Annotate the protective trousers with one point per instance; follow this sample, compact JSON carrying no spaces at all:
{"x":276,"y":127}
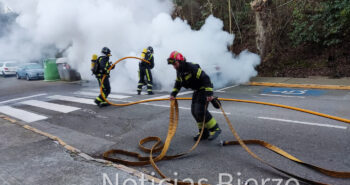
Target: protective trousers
{"x":106,"y":88}
{"x":145,"y":73}
{"x":199,"y":100}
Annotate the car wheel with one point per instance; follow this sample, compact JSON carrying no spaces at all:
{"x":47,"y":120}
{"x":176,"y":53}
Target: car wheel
{"x":17,"y":76}
{"x":27,"y":77}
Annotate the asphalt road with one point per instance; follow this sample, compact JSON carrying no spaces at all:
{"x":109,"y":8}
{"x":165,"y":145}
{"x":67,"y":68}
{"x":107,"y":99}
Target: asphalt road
{"x":315,"y":140}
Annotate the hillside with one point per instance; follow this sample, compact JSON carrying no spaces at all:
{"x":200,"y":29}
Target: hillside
{"x":295,"y":38}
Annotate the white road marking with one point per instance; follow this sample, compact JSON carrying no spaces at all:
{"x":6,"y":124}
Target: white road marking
{"x":121,"y":92}
{"x":50,"y":106}
{"x":17,"y":99}
{"x":73,"y":99}
{"x":222,"y":90}
{"x":113,"y":96}
{"x":304,"y":123}
{"x":168,"y":106}
{"x":284,"y":96}
{"x":90,"y":101}
{"x":135,"y":93}
{"x":167,"y":96}
{"x":184,"y":108}
{"x":21,"y":114}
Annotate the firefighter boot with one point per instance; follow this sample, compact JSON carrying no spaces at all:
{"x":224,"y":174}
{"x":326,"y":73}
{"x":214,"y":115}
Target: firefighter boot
{"x":150,"y":93}
{"x":204,"y":136}
{"x":138,"y":92}
{"x":103,"y":104}
{"x":214,"y":132}
{"x":97,"y":102}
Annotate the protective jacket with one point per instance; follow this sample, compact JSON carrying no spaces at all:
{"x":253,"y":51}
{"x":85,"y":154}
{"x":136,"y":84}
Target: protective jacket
{"x":190,"y":75}
{"x":149,"y":57}
{"x":103,"y":66}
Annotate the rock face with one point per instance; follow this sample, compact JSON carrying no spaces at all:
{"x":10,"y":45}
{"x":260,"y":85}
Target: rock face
{"x":263,"y":17}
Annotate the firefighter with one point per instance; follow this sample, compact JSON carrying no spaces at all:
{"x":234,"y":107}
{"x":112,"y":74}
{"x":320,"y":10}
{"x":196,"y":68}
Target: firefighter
{"x":145,"y":71}
{"x":102,"y":65}
{"x":190,"y":75}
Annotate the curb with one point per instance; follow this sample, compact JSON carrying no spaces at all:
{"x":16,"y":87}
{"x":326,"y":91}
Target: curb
{"x":87,"y":157}
{"x":312,"y":86}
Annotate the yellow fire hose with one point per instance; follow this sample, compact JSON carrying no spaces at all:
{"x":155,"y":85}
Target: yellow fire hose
{"x":173,"y":122}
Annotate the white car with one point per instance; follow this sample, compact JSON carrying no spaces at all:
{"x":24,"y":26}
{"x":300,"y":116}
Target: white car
{"x":8,"y":68}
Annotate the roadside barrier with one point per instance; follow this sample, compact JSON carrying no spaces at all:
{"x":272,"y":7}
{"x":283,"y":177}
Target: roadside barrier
{"x":173,"y":123}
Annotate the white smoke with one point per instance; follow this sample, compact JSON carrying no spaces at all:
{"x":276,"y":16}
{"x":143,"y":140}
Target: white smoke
{"x":126,"y":27}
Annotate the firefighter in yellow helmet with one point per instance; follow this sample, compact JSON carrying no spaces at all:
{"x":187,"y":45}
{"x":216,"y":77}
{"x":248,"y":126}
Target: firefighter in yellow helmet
{"x":190,"y":75}
{"x":145,"y":74}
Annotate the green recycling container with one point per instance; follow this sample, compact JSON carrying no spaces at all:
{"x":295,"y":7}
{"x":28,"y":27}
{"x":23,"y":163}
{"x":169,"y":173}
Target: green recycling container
{"x":50,"y":70}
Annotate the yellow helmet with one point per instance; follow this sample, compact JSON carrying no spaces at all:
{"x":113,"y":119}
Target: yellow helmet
{"x":143,"y":54}
{"x":94,"y":57}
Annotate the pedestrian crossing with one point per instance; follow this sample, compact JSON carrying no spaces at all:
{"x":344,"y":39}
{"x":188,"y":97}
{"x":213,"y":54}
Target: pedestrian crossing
{"x":73,"y":99}
{"x":23,"y":115}
{"x":84,"y":97}
{"x":94,"y":94}
{"x":30,"y":116}
{"x":51,"y":106}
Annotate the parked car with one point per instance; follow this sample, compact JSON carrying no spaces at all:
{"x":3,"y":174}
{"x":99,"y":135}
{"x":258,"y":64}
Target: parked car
{"x":30,"y":71}
{"x":8,"y":68}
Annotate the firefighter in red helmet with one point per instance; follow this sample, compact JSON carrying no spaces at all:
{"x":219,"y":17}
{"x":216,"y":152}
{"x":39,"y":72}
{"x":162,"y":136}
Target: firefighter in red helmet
{"x":191,"y":76}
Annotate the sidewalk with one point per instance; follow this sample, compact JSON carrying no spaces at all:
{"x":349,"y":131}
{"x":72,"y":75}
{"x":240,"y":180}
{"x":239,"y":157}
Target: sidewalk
{"x":311,"y":82}
{"x":31,"y":158}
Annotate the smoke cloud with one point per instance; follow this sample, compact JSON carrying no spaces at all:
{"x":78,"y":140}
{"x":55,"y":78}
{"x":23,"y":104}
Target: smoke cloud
{"x":82,"y":28}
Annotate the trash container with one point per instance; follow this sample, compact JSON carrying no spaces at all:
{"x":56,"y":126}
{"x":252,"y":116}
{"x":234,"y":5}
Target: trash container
{"x":50,"y":70}
{"x":66,"y":72}
{"x":61,"y":66}
{"x":74,"y":75}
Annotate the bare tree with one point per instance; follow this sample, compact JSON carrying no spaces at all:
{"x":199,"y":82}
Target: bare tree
{"x":264,"y":29}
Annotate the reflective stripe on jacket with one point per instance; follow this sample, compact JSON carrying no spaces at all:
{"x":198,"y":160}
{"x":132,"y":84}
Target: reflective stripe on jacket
{"x":193,"y":77}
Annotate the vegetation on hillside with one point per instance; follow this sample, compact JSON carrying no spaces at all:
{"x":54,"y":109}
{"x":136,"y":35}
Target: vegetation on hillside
{"x":302,"y":37}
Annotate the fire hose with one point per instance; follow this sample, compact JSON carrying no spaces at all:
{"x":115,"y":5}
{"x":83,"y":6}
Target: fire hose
{"x":173,"y":123}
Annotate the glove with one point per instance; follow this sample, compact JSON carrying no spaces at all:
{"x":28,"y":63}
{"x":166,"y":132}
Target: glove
{"x":216,"y":103}
{"x":110,"y":63}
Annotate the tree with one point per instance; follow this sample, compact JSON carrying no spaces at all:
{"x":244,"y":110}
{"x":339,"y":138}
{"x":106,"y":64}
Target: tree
{"x":264,"y":25}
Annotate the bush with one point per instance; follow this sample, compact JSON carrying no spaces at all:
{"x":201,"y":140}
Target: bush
{"x":325,"y":23}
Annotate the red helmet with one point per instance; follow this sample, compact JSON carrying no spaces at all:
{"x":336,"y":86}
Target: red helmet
{"x":175,"y":56}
